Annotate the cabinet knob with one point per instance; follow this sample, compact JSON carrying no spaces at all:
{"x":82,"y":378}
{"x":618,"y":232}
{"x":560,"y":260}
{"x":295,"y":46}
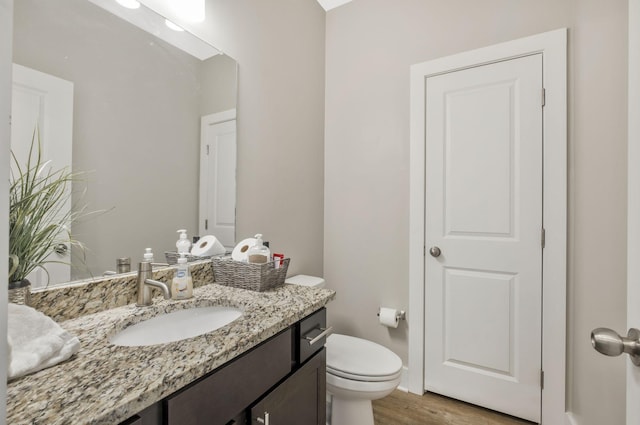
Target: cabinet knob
{"x":264,"y":421}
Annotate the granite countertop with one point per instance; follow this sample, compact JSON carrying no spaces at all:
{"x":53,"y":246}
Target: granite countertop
{"x":106,"y":384}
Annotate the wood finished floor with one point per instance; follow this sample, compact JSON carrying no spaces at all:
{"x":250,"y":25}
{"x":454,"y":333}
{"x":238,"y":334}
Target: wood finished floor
{"x":402,"y":408}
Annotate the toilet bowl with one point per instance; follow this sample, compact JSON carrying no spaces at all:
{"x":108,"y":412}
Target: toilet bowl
{"x":358,"y":372}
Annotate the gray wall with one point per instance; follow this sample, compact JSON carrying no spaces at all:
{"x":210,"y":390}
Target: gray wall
{"x":218,"y":75}
{"x":370,"y":45}
{"x":279,"y":46}
{"x":6,"y":29}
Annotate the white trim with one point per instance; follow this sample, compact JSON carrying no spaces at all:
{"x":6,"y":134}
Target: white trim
{"x":553,"y":46}
{"x":6,"y":39}
{"x":569,"y":419}
{"x":633,"y":204}
{"x":218,"y":117}
{"x":404,"y":385}
{"x":327,"y":5}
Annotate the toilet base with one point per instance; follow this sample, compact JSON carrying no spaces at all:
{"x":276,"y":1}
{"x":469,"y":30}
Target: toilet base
{"x":351,"y":412}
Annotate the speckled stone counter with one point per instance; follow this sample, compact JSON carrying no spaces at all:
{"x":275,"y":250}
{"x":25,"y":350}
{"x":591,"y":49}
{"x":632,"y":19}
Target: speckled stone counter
{"x":106,"y":384}
{"x":89,"y":296}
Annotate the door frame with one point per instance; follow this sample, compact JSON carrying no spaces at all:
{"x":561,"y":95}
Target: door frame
{"x":633,"y":205}
{"x":553,"y":46}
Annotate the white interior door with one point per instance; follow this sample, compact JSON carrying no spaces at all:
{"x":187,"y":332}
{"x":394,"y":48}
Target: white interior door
{"x":218,"y":177}
{"x":46,"y":102}
{"x":483,"y":222}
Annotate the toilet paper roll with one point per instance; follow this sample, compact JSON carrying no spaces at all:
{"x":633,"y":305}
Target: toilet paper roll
{"x":239,"y":253}
{"x":207,"y":246}
{"x":389,"y":317}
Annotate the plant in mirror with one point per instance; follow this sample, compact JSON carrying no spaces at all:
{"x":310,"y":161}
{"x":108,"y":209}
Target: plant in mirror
{"x":141,"y":113}
{"x":40,"y":218}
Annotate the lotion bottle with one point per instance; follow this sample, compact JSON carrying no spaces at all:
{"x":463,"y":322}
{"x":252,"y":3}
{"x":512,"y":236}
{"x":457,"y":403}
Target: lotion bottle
{"x":182,"y":284}
{"x":183,"y":245}
{"x":258,"y":253}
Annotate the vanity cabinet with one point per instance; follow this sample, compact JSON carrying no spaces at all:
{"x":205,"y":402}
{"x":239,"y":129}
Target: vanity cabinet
{"x":298,"y":400}
{"x":283,"y":377}
{"x":219,"y":397}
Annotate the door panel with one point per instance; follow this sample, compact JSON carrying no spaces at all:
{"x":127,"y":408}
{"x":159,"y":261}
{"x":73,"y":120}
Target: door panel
{"x":485,"y":343}
{"x":479,"y":175}
{"x":484,"y":212}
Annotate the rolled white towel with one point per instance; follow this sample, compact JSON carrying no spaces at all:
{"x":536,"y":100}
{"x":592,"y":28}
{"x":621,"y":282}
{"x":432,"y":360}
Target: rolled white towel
{"x":35,"y":341}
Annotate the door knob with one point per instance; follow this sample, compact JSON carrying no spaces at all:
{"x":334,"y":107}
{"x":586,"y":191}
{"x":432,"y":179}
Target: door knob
{"x":61,"y":249}
{"x":435,"y":251}
{"x":609,"y":343}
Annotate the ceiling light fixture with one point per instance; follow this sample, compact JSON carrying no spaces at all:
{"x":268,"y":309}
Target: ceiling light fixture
{"x":191,"y":10}
{"x":129,"y":4}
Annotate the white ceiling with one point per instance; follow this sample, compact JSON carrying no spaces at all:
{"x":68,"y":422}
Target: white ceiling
{"x":330,"y":4}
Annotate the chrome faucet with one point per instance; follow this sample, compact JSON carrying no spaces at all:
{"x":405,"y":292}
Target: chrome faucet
{"x":145,"y":283}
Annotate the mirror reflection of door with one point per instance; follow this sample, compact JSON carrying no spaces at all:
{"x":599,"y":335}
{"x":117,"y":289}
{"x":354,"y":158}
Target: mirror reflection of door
{"x":43,"y":103}
{"x":218,"y":177}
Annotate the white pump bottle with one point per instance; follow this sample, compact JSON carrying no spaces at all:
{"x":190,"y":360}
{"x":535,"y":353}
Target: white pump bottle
{"x":183,"y":245}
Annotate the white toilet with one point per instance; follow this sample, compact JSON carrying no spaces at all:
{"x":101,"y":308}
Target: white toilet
{"x":358,"y":371}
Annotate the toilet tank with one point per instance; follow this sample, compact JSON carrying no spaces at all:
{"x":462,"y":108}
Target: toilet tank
{"x":305,"y":280}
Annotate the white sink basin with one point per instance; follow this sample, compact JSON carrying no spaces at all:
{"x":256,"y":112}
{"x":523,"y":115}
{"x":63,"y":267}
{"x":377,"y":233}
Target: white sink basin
{"x":176,"y":326}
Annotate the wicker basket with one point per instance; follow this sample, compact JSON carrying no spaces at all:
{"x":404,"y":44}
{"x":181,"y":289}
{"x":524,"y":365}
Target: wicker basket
{"x":172,"y":257}
{"x":255,"y":277}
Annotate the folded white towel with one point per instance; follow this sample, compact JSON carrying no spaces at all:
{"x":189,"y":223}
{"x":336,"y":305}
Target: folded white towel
{"x":35,"y":341}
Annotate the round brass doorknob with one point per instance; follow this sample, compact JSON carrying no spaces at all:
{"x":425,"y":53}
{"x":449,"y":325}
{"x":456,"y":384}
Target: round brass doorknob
{"x":435,"y":251}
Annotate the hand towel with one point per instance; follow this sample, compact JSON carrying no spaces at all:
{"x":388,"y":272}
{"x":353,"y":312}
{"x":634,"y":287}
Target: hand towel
{"x":35,"y":341}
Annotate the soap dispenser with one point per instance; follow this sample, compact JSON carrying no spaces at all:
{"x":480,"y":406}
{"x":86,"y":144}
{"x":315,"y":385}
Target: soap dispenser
{"x":258,"y":253}
{"x":182,"y":284}
{"x":183,"y":245}
{"x":148,"y":255}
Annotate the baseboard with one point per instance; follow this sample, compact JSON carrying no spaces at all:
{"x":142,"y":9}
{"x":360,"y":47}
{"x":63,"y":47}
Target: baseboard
{"x":404,"y":380}
{"x":569,"y":419}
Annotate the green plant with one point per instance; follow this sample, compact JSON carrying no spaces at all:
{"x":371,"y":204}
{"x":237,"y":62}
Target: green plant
{"x":39,"y":218}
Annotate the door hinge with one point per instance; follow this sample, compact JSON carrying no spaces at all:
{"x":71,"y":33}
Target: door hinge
{"x":206,"y":224}
{"x":542,"y":379}
{"x":207,"y":149}
{"x":544,"y":97}
{"x":543,"y":237}
{"x":424,"y":250}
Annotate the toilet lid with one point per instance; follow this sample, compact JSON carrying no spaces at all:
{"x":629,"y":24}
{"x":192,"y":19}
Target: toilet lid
{"x":356,"y":358}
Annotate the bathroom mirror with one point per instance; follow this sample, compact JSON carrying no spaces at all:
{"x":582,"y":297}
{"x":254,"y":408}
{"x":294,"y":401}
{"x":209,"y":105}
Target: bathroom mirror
{"x":138,"y":104}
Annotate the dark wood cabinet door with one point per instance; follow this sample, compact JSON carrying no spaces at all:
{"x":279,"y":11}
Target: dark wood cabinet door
{"x":300,"y":399}
{"x":220,"y":396}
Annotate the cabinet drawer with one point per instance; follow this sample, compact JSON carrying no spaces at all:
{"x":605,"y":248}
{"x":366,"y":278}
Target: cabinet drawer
{"x":219,"y":397}
{"x":310,"y":327}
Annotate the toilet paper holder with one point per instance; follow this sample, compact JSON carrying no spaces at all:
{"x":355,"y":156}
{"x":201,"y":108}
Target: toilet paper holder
{"x":400,"y":315}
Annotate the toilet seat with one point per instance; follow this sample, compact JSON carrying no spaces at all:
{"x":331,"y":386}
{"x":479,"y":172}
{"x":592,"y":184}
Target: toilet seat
{"x":358,"y":359}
